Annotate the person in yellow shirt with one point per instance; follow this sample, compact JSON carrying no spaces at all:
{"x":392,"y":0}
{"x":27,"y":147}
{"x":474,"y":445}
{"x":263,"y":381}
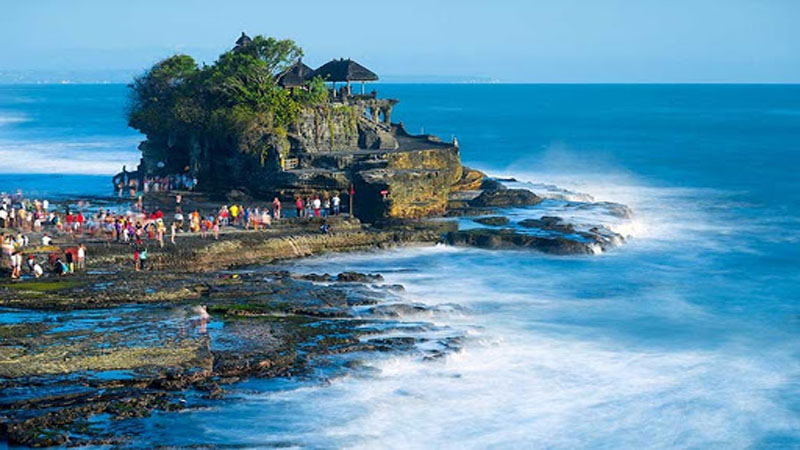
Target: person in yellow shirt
{"x":235,"y":214}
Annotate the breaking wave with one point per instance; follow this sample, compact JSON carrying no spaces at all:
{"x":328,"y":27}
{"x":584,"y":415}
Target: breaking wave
{"x":12,"y":118}
{"x":90,"y":157}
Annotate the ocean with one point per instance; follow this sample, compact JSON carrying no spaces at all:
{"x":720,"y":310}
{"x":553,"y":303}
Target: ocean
{"x":686,"y":336}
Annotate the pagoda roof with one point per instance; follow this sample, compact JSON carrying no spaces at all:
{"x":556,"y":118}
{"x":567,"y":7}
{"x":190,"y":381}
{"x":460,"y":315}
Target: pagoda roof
{"x":296,"y":75}
{"x":344,"y":70}
{"x":243,"y":40}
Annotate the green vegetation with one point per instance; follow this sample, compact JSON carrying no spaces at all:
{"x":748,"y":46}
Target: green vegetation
{"x":233,"y":103}
{"x":43,"y":286}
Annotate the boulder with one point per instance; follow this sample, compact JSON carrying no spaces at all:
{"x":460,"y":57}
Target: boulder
{"x":491,"y":184}
{"x":494,"y":221}
{"x":355,"y":277}
{"x":508,"y":239}
{"x":549,"y":223}
{"x":506,"y":198}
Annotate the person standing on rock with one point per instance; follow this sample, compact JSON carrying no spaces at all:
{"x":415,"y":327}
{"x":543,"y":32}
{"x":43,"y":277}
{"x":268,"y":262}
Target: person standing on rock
{"x":336,"y":203}
{"x":70,"y":257}
{"x":178,"y":221}
{"x":201,"y":313}
{"x":276,"y":208}
{"x":160,"y":229}
{"x":172,"y":230}
{"x":234,"y":214}
{"x":143,"y":259}
{"x":16,"y":265}
{"x":317,"y":205}
{"x":215,"y":229}
{"x":82,"y":256}
{"x":298,"y":204}
{"x":195,"y":221}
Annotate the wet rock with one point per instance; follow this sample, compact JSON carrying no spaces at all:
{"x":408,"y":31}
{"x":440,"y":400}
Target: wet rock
{"x":228,"y":380}
{"x":390,"y":287}
{"x":212,"y":389}
{"x":466,"y":211}
{"x":492,"y":184}
{"x":618,"y":210}
{"x":549,"y":223}
{"x":509,"y":239}
{"x":316,"y":277}
{"x":393,"y":343}
{"x":604,"y":236}
{"x":506,"y":198}
{"x":494,"y":221}
{"x":396,"y":310}
{"x":355,"y":277}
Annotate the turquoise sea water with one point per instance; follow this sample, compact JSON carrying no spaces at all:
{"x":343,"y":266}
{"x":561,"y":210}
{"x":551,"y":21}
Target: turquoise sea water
{"x":687,"y":336}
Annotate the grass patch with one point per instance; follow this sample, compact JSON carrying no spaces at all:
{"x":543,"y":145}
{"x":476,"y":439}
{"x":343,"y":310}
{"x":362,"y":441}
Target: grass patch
{"x":43,"y":286}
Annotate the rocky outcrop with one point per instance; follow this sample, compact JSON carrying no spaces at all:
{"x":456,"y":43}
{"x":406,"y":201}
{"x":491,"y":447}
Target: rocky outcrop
{"x":509,"y":239}
{"x":493,"y":221}
{"x":505,"y":198}
{"x":330,"y":148}
{"x":471,"y":180}
{"x":506,"y":239}
{"x":549,"y":223}
{"x":561,"y":239}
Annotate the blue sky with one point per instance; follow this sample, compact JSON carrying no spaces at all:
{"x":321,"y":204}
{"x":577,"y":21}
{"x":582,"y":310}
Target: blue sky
{"x":504,"y":40}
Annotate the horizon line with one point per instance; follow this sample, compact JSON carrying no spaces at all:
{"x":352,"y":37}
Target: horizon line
{"x":563,"y":83}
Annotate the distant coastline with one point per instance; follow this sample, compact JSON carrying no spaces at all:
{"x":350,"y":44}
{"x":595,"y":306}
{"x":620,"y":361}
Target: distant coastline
{"x":123,"y":76}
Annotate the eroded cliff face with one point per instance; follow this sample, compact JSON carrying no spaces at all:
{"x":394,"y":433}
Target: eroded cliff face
{"x":413,"y":184}
{"x":329,"y":149}
{"x":325,"y":129}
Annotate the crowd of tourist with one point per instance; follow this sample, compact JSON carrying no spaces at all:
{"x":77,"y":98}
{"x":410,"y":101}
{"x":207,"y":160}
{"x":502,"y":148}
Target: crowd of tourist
{"x":318,"y":207}
{"x":21,"y":218}
{"x":156,"y":184}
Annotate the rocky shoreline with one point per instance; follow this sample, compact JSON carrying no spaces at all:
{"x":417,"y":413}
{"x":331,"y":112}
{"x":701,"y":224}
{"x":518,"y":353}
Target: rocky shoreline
{"x":83,"y":353}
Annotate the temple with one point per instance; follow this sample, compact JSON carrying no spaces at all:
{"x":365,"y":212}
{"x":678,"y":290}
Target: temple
{"x":349,"y":143}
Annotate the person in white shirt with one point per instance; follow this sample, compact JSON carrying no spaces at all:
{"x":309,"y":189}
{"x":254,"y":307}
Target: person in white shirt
{"x":37,"y":270}
{"x":46,"y":240}
{"x":335,"y":202}
{"x":317,"y":204}
{"x":82,"y":256}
